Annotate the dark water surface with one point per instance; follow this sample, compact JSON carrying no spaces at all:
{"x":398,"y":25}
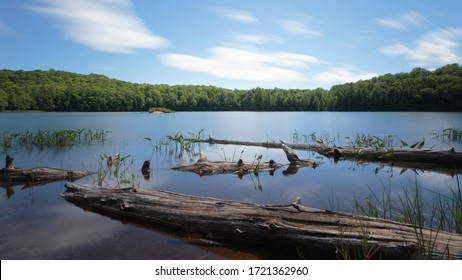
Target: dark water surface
{"x":36,"y":223}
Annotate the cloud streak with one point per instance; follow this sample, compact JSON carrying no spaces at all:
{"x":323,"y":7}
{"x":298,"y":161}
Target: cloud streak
{"x":241,"y":16}
{"x":299,"y":28}
{"x":104,"y":25}
{"x":403,"y":21}
{"x":342,"y":75}
{"x":434,"y":48}
{"x":240,"y":64}
{"x":255,"y":38}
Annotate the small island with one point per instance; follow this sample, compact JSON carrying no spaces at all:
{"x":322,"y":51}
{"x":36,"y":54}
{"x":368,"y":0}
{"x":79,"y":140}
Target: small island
{"x":160,"y":110}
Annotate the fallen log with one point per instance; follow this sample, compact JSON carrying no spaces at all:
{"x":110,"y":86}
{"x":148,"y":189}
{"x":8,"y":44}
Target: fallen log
{"x":10,"y":173}
{"x":447,"y":161}
{"x":294,"y":228}
{"x":205,"y":167}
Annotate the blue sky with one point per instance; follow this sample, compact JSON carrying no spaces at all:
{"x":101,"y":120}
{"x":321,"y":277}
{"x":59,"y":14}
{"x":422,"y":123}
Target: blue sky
{"x":233,"y":44}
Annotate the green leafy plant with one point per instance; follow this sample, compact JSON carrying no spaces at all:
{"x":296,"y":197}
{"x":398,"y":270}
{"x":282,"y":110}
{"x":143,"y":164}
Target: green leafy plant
{"x":116,"y":171}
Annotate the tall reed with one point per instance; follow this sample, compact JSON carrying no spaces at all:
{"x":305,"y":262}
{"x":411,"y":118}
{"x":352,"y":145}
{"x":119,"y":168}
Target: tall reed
{"x":52,"y":138}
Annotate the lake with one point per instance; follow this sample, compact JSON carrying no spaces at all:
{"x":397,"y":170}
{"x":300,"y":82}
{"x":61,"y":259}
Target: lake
{"x":38,"y":224}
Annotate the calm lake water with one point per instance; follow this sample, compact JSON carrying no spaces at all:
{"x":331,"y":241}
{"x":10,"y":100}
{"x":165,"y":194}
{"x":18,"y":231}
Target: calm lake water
{"x":36,"y":223}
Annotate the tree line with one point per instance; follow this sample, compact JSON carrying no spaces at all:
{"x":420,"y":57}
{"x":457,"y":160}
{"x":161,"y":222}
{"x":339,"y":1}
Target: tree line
{"x":418,"y":90}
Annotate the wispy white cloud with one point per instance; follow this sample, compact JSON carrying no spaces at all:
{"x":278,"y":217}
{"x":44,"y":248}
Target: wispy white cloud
{"x":105,"y":25}
{"x":299,"y":28}
{"x":255,"y":38}
{"x":237,"y":15}
{"x":403,"y":21}
{"x":240,"y":64}
{"x":342,"y":75}
{"x":434,"y":48}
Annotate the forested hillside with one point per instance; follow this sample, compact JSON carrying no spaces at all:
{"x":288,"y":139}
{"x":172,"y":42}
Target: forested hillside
{"x":419,"y":90}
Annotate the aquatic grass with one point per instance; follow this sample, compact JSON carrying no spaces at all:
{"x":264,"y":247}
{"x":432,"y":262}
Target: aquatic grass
{"x":443,"y":213}
{"x":116,"y":171}
{"x":177,"y":145}
{"x":357,"y":140}
{"x":450,"y":134}
{"x":52,"y":138}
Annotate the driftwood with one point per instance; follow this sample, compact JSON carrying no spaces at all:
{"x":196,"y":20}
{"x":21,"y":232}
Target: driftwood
{"x":446,"y":161}
{"x":205,"y":167}
{"x":293,"y":227}
{"x":10,"y":173}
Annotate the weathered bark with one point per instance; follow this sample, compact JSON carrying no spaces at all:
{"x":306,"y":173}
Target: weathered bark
{"x":15,"y":174}
{"x":444,"y":161}
{"x":293,"y":227}
{"x":294,"y":159}
{"x":205,"y":167}
{"x":295,"y":162}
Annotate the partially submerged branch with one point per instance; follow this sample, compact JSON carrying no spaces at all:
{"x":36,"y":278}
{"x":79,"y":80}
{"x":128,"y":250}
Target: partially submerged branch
{"x":446,"y":161}
{"x":205,"y":167}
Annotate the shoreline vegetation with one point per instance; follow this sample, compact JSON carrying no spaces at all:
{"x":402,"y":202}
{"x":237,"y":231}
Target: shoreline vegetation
{"x":52,"y":90}
{"x":160,"y":110}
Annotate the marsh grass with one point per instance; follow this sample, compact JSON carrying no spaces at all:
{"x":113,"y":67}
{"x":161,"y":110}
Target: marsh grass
{"x":360,"y":140}
{"x":52,"y":138}
{"x":116,"y":171}
{"x":178,"y":145}
{"x":443,"y":213}
{"x":450,"y":134}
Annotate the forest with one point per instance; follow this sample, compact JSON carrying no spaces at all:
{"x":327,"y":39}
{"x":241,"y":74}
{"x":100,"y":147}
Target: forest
{"x":53,"y":90}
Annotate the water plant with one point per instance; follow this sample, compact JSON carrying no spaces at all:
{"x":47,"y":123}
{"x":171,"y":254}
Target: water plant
{"x":257,"y":159}
{"x":450,"y":134}
{"x":116,"y":171}
{"x":443,"y":213}
{"x":178,"y":145}
{"x":52,"y":138}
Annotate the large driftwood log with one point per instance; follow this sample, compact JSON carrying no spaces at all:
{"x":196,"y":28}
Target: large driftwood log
{"x":295,"y":228}
{"x":205,"y":167}
{"x":444,"y":161}
{"x":10,"y":173}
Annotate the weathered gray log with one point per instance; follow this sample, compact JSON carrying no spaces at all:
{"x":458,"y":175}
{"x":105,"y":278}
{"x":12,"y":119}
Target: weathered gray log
{"x":206,"y":167}
{"x":446,"y":161}
{"x":293,"y":227}
{"x":16,"y":174}
{"x":294,"y":159}
{"x":40,"y":174}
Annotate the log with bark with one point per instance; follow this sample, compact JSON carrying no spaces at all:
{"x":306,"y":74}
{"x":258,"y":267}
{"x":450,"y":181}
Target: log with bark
{"x":295,"y":161}
{"x":205,"y":167}
{"x":10,"y":173}
{"x":447,"y":161}
{"x":295,"y":228}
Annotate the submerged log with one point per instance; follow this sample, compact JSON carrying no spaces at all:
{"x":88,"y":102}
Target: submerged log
{"x":16,"y":174}
{"x":205,"y":167}
{"x":293,"y":227}
{"x":447,"y":161}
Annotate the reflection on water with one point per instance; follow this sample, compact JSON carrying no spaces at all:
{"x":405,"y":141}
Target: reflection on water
{"x":38,"y":224}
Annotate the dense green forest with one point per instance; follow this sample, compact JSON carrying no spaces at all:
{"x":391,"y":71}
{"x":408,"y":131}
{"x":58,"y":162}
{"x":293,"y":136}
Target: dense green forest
{"x":418,"y":90}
